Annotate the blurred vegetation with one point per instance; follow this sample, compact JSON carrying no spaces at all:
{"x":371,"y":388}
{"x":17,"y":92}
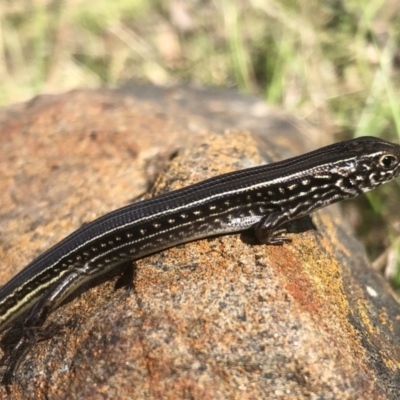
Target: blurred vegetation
{"x":334,"y":63}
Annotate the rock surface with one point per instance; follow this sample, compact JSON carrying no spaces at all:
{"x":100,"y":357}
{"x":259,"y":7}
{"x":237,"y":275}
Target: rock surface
{"x":214,"y":319}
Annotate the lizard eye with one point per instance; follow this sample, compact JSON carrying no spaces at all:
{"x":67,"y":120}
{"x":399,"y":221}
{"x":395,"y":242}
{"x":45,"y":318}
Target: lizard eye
{"x":387,"y":161}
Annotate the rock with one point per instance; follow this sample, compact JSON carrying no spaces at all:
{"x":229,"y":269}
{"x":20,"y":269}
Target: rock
{"x":217,"y":318}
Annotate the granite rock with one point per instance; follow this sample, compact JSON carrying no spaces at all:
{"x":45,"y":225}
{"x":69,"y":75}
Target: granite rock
{"x":218,"y":318}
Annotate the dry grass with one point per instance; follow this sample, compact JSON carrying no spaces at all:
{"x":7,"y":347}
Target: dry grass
{"x":331,"y":62}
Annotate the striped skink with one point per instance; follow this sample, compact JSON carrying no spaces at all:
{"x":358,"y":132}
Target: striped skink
{"x":262,"y":198}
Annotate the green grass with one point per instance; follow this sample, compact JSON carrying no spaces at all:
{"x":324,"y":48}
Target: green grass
{"x":333,"y":63}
